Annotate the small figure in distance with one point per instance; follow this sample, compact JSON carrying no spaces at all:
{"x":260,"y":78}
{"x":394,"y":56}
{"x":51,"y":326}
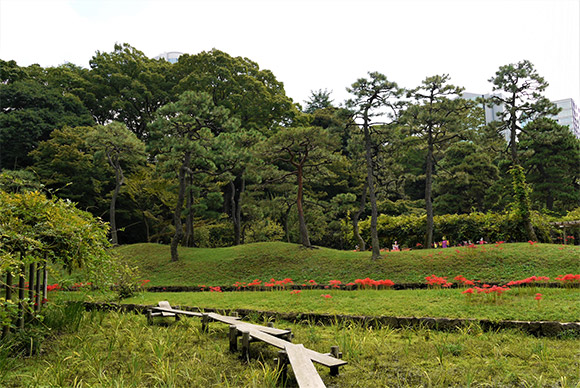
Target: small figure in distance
{"x":395,"y":246}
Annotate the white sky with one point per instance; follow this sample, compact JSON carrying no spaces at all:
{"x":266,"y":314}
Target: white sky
{"x":314,"y":44}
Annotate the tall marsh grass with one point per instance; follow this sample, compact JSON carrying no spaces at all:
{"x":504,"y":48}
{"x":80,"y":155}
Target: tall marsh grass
{"x":121,"y":350}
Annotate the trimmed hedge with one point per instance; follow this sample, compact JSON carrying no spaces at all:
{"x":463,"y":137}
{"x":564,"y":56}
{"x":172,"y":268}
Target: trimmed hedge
{"x":409,"y":230}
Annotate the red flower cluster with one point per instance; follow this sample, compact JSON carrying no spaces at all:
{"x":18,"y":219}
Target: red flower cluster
{"x":143,"y":282}
{"x":52,"y":287}
{"x":255,"y":283}
{"x":240,"y":285}
{"x":295,"y":292}
{"x":326,"y":296}
{"x":368,"y":283}
{"x":436,"y":281}
{"x":568,"y":279}
{"x":531,"y":279}
{"x":487,"y":289}
{"x":279,"y":284}
{"x":466,"y":282}
{"x":215,"y":289}
{"x":335,"y":283}
{"x":532,"y":242}
{"x":79,"y":285}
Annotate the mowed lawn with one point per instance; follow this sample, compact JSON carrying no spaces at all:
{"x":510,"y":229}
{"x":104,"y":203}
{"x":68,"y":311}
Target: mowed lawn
{"x":517,"y":304}
{"x":225,"y":266}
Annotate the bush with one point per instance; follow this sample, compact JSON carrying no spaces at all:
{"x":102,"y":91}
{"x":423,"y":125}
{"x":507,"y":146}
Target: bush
{"x":409,"y":230}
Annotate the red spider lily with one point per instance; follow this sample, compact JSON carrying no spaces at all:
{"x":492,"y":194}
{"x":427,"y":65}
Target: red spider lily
{"x":215,"y":289}
{"x":326,"y":296}
{"x":240,"y":285}
{"x":538,"y":296}
{"x":255,"y":283}
{"x":436,"y":281}
{"x":312,"y":282}
{"x":468,"y":291}
{"x":568,"y":279}
{"x":531,"y":279}
{"x":335,"y":283}
{"x":295,"y":292}
{"x":143,"y":282}
{"x":53,"y":287}
{"x":532,"y":242}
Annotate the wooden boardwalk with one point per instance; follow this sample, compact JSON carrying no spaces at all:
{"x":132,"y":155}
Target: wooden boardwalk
{"x":300,"y":358}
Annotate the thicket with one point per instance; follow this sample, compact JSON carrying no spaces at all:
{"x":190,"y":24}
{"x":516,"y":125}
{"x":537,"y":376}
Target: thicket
{"x":458,"y":229}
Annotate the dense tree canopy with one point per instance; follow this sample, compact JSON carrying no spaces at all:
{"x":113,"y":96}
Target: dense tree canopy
{"x":194,"y":153}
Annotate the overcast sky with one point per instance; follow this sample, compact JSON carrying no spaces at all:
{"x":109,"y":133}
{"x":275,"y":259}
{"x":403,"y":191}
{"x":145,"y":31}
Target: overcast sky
{"x":314,"y":44}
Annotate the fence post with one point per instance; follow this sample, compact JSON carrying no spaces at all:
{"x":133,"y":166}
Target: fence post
{"x":21,"y":281}
{"x":282,"y":365}
{"x":246,"y":346}
{"x":233,"y":338}
{"x":335,"y":352}
{"x":38,"y":301}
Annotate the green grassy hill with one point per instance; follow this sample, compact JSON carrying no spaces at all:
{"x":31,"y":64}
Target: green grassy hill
{"x":244,"y":263}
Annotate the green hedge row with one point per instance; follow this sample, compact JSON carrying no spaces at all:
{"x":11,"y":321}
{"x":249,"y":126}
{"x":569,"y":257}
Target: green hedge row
{"x":409,"y":230}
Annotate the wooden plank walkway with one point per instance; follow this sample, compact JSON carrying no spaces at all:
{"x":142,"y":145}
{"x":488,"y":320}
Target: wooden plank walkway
{"x":306,"y":374}
{"x":301,"y":359}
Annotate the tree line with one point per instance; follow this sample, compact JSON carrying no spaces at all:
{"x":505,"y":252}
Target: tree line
{"x":210,"y":151}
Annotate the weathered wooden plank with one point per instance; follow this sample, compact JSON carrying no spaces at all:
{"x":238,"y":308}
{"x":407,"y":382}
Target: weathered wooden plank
{"x":236,"y":321}
{"x":323,"y":359}
{"x":265,"y":337}
{"x":165,"y":304}
{"x":306,"y":374}
{"x":183,"y":312}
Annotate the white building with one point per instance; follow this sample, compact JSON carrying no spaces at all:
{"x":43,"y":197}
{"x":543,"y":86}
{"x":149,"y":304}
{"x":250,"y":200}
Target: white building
{"x":569,"y":115}
{"x":490,"y":112}
{"x":170,"y":56}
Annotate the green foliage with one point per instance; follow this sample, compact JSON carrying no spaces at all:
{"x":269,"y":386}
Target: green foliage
{"x":523,"y":100}
{"x":16,"y":181}
{"x":66,"y":166}
{"x":213,"y":234}
{"x":264,"y":231}
{"x":8,"y":312}
{"x":252,"y":95}
{"x":31,"y":109}
{"x":124,"y":85}
{"x":550,"y":154}
{"x":34,"y":228}
{"x":408,"y":230}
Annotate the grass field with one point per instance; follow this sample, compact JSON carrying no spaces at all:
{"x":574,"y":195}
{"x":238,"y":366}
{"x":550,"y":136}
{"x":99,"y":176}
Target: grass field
{"x":109,"y":349}
{"x":244,"y":263}
{"x":556,"y":304}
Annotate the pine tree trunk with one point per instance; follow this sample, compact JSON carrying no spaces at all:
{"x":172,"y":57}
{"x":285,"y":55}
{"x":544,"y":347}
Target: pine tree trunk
{"x":376,"y":252}
{"x":356,"y":216}
{"x":119,"y":180}
{"x":428,"y":199}
{"x":188,"y":240}
{"x":179,"y":207}
{"x":304,"y":240}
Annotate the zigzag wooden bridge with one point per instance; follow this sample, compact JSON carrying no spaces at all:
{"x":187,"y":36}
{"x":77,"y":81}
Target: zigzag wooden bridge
{"x":300,"y":358}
